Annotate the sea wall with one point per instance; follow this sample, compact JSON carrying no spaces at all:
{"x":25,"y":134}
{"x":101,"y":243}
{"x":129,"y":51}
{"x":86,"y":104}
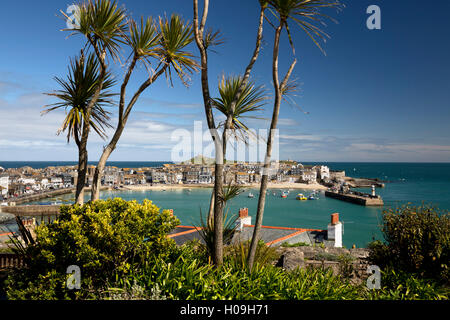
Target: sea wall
{"x":355,"y":199}
{"x":32,"y":210}
{"x":39,"y":196}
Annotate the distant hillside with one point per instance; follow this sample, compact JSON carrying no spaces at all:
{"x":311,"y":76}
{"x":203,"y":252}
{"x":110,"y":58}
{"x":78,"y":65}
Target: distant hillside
{"x":200,"y":159}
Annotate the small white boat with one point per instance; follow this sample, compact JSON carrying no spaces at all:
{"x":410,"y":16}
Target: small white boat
{"x":250,"y":195}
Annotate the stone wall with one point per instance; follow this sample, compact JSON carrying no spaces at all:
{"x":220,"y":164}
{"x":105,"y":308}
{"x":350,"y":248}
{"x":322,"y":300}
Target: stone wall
{"x":349,"y":263}
{"x":32,"y":210}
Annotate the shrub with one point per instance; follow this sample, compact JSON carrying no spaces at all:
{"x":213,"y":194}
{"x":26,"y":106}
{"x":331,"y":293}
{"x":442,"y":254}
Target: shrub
{"x":293,"y":245}
{"x":417,"y":241}
{"x":104,"y":238}
{"x":399,"y":285}
{"x":187,"y":278}
{"x":236,"y":254}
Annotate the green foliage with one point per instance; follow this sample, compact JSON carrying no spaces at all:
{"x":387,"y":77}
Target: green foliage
{"x":236,"y":254}
{"x":346,"y":265}
{"x":207,"y":232}
{"x":417,"y":241}
{"x":307,"y":15}
{"x":104,"y":238}
{"x":187,"y":278}
{"x":104,"y":23}
{"x":398,"y":285}
{"x":251,"y":99}
{"x":293,"y":245}
{"x":76,"y":93}
{"x":176,"y":34}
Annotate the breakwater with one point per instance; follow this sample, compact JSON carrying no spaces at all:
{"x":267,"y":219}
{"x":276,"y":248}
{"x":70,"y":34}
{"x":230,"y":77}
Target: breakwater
{"x":357,"y":199}
{"x":39,"y":196}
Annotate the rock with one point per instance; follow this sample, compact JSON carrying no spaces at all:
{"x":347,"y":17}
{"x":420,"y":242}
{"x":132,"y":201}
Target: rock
{"x":310,"y":252}
{"x":292,"y":259}
{"x":337,"y":251}
{"x":360,"y":253}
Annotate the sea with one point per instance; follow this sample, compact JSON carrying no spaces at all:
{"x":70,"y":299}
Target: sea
{"x":405,"y":183}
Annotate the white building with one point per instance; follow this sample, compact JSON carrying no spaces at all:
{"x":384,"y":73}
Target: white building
{"x":56,"y":182}
{"x":27,"y":180}
{"x":4,"y":183}
{"x":324,"y":172}
{"x":309,"y":176}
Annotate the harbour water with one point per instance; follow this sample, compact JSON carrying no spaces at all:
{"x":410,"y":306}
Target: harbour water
{"x":407,"y":183}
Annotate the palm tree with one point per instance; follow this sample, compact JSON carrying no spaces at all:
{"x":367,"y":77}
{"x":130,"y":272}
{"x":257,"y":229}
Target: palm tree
{"x":76,"y":93}
{"x":249,"y":100}
{"x":102,"y":23}
{"x":204,"y":41}
{"x":166,"y":46}
{"x":305,"y":13}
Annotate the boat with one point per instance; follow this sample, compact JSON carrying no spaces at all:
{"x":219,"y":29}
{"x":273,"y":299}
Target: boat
{"x":301,"y":197}
{"x":250,"y":195}
{"x":312,"y":197}
{"x":284,"y":195}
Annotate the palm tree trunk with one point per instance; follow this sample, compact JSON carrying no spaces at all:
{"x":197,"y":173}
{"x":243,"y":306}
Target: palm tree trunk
{"x":96,"y":183}
{"x":123,"y":118}
{"x":273,"y":125}
{"x":218,"y":216}
{"x":220,"y":148}
{"x":211,"y":208}
{"x":82,"y":166}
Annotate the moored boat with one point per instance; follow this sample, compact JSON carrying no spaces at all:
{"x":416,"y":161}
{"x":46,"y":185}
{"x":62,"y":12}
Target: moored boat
{"x":301,"y":197}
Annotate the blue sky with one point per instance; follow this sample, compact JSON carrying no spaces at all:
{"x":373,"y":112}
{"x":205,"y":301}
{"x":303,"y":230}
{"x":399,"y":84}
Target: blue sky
{"x":378,"y":95}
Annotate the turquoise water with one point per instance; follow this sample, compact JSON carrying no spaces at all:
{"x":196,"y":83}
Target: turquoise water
{"x":408,"y":182}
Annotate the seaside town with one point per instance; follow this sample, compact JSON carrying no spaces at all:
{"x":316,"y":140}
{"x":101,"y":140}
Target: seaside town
{"x":18,"y":182}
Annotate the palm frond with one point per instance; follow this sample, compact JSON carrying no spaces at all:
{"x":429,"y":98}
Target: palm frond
{"x":305,"y":13}
{"x":143,"y":38}
{"x":212,"y":39}
{"x":104,"y":22}
{"x":75,"y":94}
{"x":176,"y":34}
{"x":251,"y":99}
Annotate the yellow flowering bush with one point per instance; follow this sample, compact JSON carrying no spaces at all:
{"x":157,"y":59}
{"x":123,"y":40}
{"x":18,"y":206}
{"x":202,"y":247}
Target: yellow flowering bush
{"x":105,"y":239}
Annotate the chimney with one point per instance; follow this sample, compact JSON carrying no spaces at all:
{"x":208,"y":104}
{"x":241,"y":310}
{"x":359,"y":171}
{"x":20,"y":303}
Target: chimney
{"x":335,"y":230}
{"x":334,"y":218}
{"x":244,"y":219}
{"x":243,"y":213}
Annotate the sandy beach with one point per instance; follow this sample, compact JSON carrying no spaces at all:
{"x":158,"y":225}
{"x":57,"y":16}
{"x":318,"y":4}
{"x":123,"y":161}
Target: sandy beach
{"x":282,"y":186}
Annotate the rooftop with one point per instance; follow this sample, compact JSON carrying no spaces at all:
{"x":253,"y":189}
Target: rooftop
{"x":270,"y":235}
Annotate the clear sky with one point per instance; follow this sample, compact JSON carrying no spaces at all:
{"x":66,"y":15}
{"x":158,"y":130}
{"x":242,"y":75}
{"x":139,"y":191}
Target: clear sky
{"x":378,"y":95}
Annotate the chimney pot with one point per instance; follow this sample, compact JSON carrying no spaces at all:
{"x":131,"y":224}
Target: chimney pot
{"x":334,"y":218}
{"x":243,"y":212}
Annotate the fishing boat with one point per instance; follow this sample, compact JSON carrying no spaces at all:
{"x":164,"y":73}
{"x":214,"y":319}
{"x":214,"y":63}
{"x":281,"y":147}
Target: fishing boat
{"x":250,"y":195}
{"x":301,"y":197}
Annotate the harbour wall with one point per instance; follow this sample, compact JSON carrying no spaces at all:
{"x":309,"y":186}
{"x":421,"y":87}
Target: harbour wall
{"x":39,"y":196}
{"x":355,"y":199}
